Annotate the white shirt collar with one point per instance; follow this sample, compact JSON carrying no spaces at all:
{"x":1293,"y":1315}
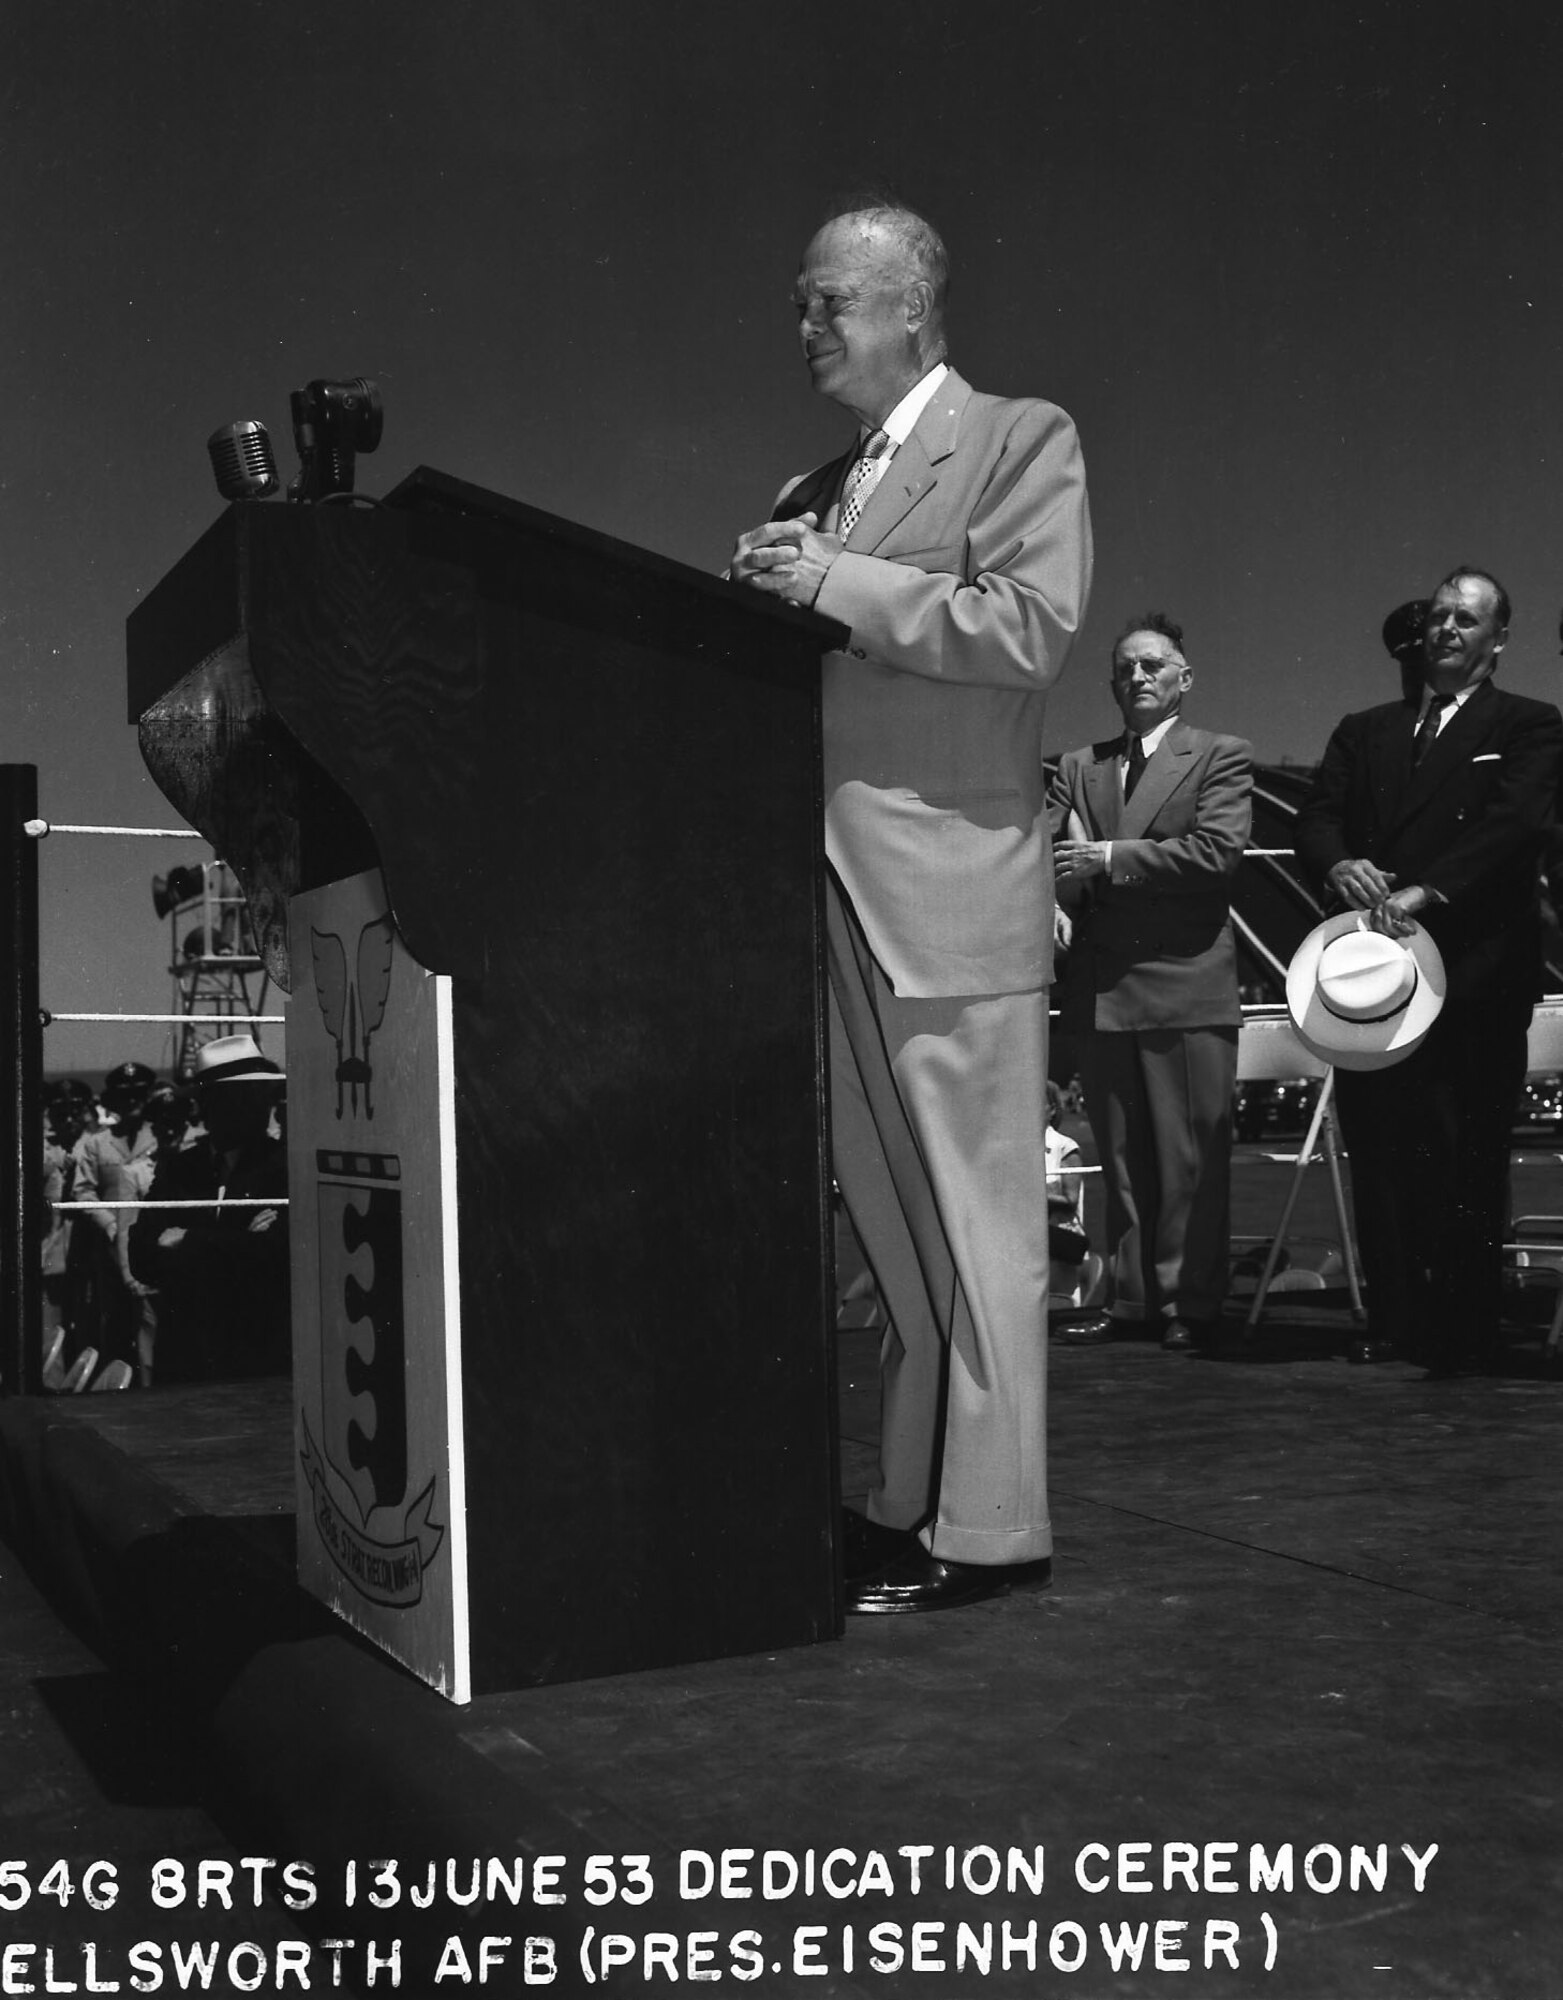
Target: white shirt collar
{"x":1455,"y":701}
{"x":1152,"y":737}
{"x":899,"y":424}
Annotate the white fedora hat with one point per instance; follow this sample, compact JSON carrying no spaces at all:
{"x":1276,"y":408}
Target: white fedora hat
{"x":1360,"y":999}
{"x":233,"y":1059}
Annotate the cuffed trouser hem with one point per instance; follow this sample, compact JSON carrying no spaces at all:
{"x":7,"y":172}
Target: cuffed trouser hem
{"x":990,"y":1546}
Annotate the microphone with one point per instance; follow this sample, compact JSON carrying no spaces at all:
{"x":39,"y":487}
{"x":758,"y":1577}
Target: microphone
{"x":242,"y":461}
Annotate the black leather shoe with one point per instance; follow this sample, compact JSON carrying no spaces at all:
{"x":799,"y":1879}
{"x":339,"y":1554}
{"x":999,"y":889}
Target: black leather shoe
{"x":1090,"y":1332}
{"x":1364,"y":1353}
{"x":867,"y":1547}
{"x":917,"y":1581}
{"x":1179,"y":1337}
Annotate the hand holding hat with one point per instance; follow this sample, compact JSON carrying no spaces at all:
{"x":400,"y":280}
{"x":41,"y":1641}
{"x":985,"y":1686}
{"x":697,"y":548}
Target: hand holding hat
{"x":1360,"y":997}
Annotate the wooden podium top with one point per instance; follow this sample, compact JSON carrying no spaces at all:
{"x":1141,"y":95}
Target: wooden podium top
{"x":320,"y":688}
{"x":230,"y":578}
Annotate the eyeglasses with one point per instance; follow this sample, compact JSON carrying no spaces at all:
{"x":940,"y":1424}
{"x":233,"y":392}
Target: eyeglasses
{"x":1124,"y":669}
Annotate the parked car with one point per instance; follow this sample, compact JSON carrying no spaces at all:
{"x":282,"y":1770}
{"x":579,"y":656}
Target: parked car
{"x":1541,"y":1103}
{"x":1271,"y":1108}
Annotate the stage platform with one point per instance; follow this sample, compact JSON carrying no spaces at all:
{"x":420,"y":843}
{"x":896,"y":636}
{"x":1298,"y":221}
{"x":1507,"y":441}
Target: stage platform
{"x":1298,"y":1606}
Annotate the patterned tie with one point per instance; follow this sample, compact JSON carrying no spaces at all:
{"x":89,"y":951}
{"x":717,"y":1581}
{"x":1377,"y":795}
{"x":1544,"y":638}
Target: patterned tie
{"x":860,"y":484}
{"x":1136,"y":770}
{"x":1427,"y":728}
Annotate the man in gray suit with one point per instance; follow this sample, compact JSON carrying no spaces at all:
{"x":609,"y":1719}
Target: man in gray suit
{"x":1154,"y":824}
{"x":952,"y":540}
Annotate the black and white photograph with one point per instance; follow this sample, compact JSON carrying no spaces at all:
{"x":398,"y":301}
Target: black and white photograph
{"x":782,"y":997}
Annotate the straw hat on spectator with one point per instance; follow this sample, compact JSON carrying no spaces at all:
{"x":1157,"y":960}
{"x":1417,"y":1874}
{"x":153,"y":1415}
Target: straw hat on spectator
{"x":233,"y":1059}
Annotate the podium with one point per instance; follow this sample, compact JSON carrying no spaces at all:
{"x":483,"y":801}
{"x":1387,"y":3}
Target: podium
{"x":530,"y":825}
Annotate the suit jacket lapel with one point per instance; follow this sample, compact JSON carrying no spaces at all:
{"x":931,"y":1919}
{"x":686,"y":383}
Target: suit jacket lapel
{"x":1103,"y":792}
{"x":914,"y":469}
{"x":1169,"y":764}
{"x":1450,"y":748}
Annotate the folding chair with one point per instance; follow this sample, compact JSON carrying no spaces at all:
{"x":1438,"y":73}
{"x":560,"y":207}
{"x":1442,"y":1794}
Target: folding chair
{"x":1268,"y":1050}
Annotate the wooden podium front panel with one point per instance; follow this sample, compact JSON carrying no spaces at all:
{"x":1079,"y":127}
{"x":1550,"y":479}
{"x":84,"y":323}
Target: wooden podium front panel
{"x":590,"y":778}
{"x":644,"y":1193}
{"x":376,"y":1311}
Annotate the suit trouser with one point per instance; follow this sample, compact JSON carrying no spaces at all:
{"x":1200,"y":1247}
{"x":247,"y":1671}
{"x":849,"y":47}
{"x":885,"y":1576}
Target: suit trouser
{"x":938,"y":1110}
{"x":1428,"y":1141}
{"x":1160,"y":1104}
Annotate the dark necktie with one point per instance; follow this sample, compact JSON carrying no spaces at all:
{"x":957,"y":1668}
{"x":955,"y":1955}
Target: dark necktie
{"x":1427,"y":728}
{"x":1136,"y":767}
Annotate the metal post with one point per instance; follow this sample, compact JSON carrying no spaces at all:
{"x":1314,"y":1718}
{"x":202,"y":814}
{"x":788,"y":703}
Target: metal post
{"x":1321,"y":1106}
{"x":21,"y":1051}
{"x":1348,"y":1248}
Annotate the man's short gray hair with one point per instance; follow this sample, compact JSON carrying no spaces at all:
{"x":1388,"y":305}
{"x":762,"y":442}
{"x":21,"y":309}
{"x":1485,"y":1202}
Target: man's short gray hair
{"x":919,"y":243}
{"x":1151,"y":621}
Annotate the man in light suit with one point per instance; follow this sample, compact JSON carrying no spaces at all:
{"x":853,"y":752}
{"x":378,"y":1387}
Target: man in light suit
{"x":1440,"y":815}
{"x":952,"y":540}
{"x":1155,"y":822}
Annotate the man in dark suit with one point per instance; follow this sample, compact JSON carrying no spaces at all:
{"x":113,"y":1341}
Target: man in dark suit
{"x":1154,"y":823}
{"x":952,"y":539}
{"x":221,"y":1274}
{"x":1439,"y":817}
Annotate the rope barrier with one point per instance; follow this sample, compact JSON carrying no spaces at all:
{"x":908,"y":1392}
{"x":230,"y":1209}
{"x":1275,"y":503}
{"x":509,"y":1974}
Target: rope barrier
{"x":1263,"y":1159}
{"x":40,"y":829}
{"x":208,"y":1201}
{"x":196,"y":1020}
{"x":281,"y":1201}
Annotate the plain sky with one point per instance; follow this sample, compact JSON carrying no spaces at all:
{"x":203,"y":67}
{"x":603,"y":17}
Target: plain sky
{"x":1294,"y":271}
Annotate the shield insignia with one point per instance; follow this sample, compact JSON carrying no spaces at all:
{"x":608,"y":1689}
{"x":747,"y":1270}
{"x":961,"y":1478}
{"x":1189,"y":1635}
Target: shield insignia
{"x":363,"y":1329}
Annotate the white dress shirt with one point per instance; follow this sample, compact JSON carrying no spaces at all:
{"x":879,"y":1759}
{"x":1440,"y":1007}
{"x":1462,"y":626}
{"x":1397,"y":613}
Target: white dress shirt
{"x":1450,"y":707}
{"x":898,"y":427}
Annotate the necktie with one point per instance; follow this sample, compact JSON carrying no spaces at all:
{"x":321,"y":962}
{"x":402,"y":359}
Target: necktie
{"x":860,"y":483}
{"x":1427,"y":728}
{"x":1136,"y":770}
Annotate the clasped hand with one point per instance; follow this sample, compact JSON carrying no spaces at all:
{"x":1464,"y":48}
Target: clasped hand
{"x":787,"y":559}
{"x":1364,"y":886}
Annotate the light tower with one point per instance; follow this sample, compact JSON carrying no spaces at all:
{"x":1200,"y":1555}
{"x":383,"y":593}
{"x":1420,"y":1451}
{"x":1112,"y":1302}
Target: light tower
{"x":216,"y":971}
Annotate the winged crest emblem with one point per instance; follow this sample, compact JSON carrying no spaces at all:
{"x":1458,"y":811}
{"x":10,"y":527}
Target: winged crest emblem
{"x":352,"y":1005}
